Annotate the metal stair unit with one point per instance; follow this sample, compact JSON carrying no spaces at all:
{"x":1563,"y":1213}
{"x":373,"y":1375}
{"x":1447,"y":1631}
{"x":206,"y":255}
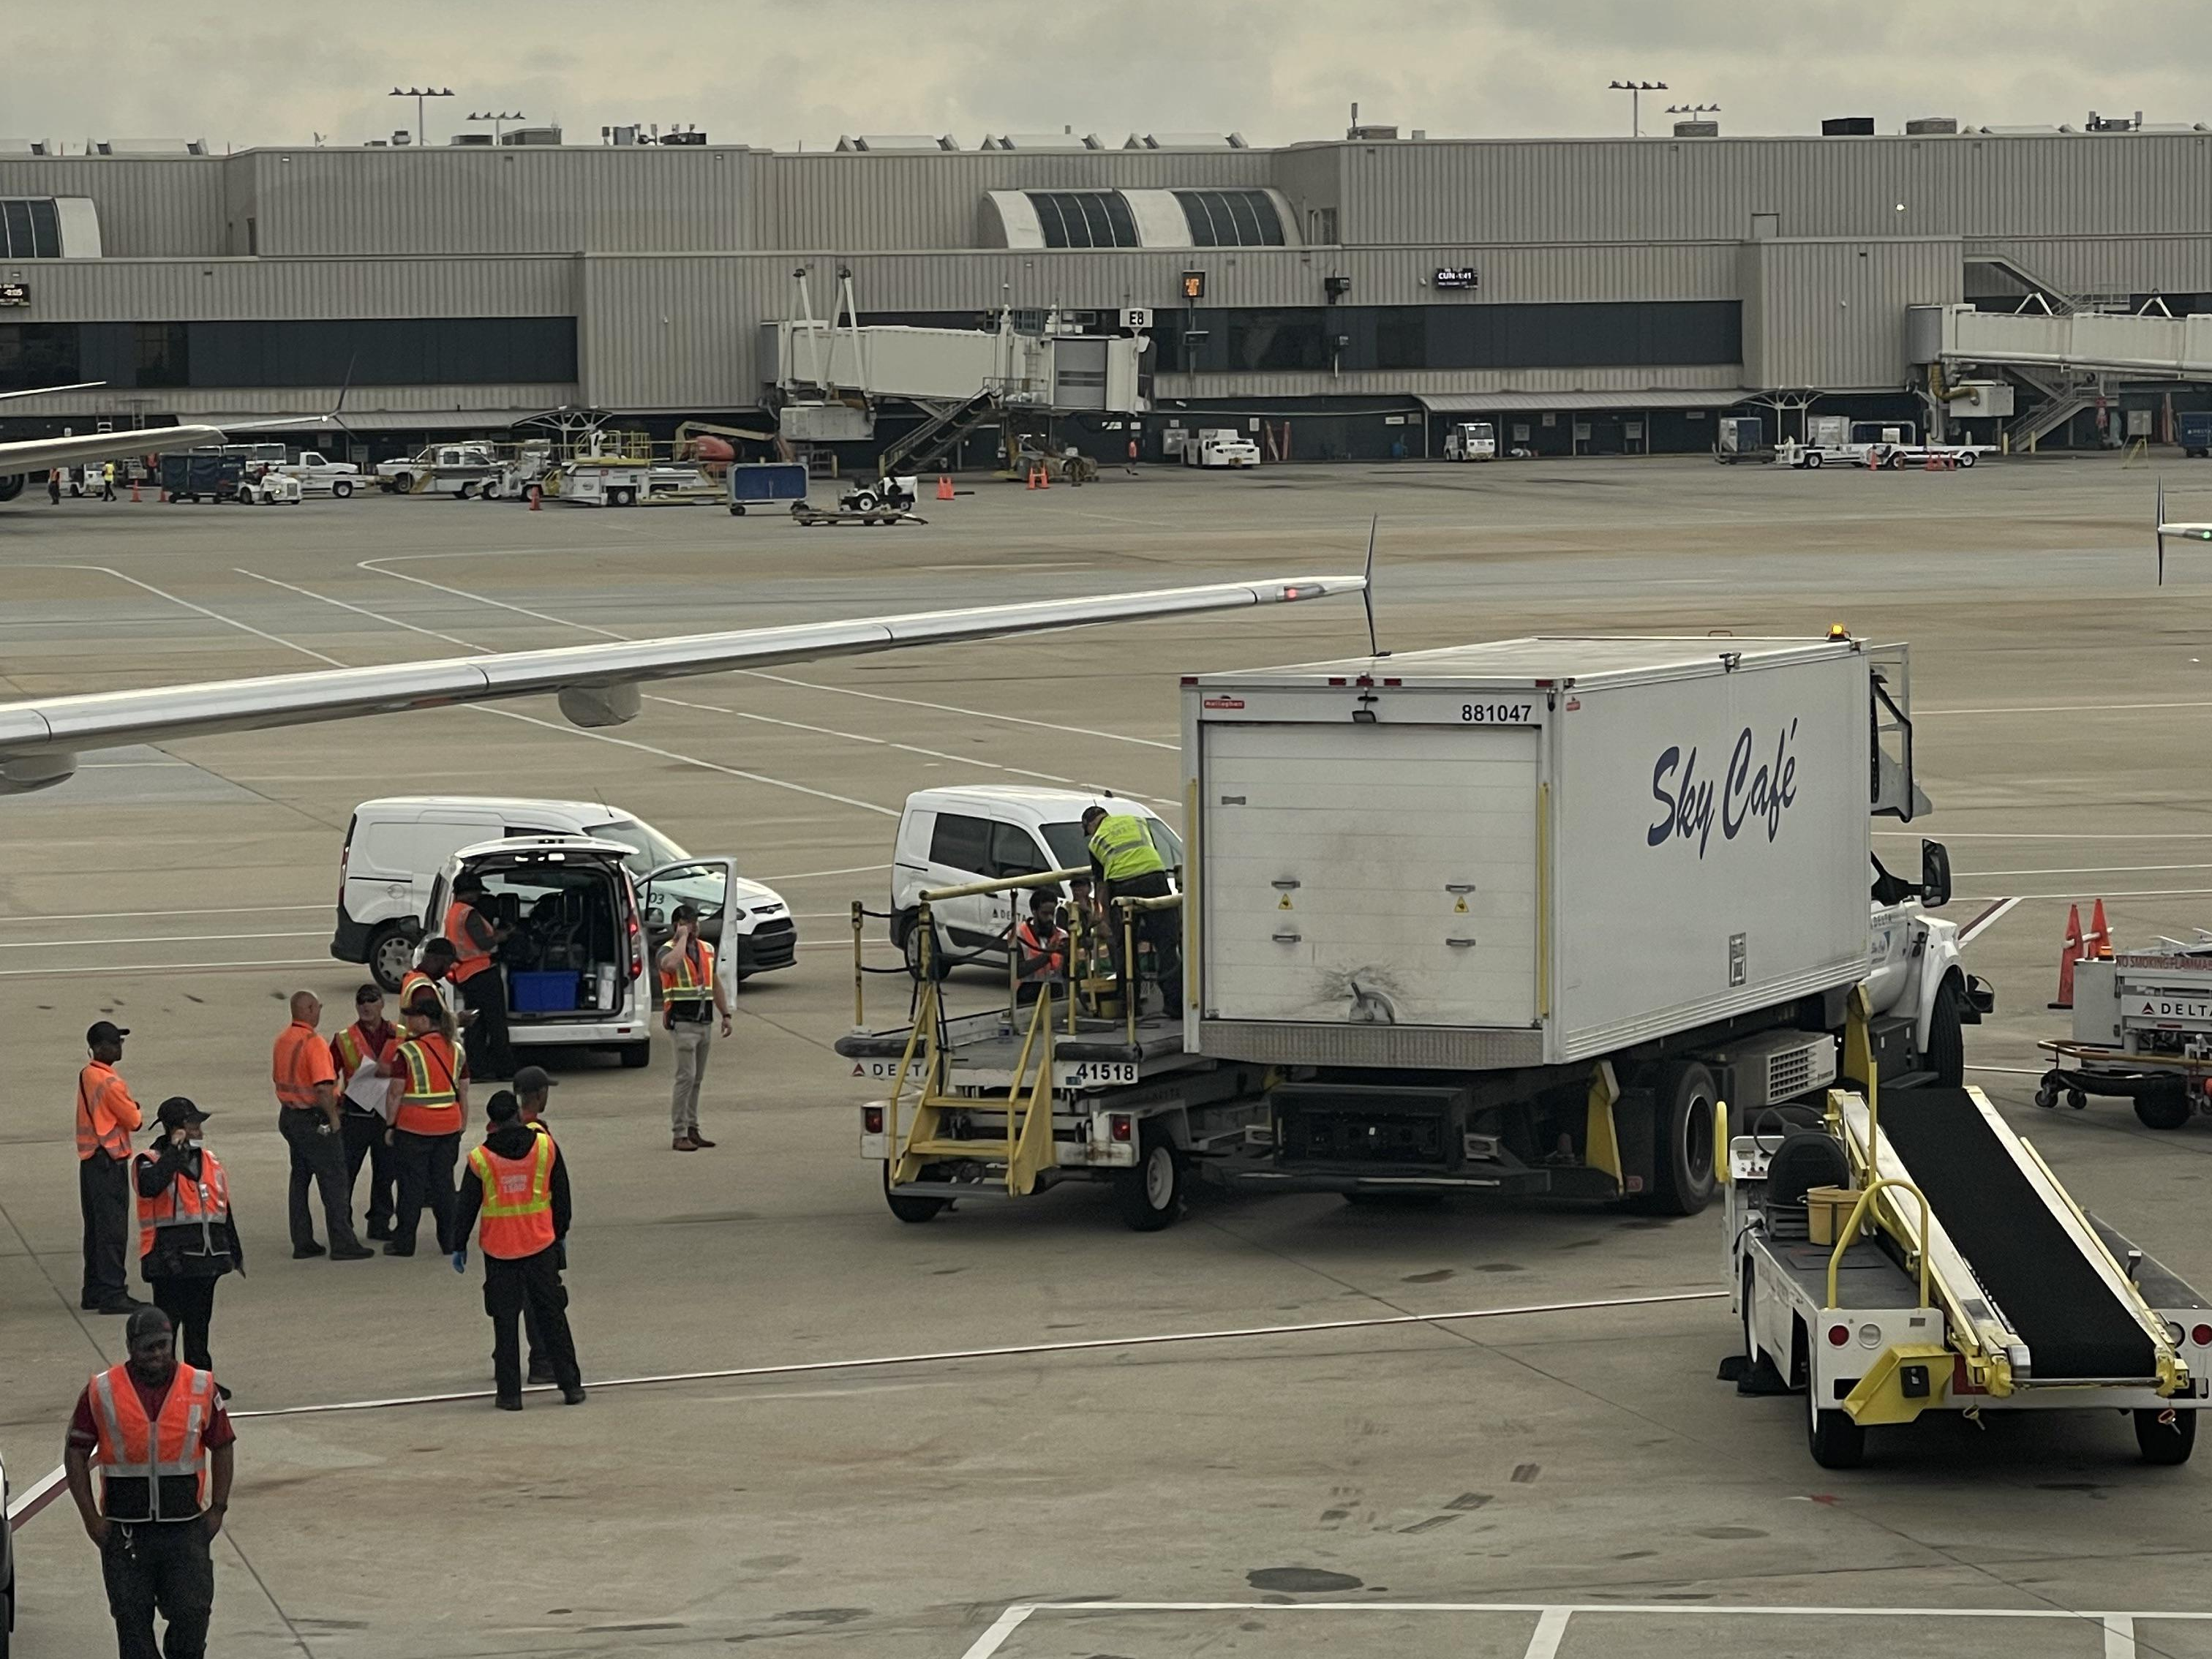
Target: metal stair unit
{"x":937,"y":437}
{"x":2065,"y":393}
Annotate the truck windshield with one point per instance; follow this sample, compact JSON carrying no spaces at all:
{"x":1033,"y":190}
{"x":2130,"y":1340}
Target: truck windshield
{"x":651,"y":849}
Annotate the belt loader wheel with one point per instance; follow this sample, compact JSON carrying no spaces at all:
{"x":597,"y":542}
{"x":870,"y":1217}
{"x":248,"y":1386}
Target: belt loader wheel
{"x":2166,"y":1436}
{"x":911,"y":1210}
{"x":1946,"y":1037}
{"x":2168,"y":1108}
{"x":1835,"y":1438}
{"x":1150,"y":1196}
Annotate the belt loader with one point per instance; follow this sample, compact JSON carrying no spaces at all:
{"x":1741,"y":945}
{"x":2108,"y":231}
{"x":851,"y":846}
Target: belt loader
{"x":1960,"y":1276}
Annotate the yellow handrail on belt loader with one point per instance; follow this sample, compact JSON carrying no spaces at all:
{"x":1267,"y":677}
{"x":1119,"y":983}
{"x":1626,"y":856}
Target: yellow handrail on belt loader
{"x":1845,"y":1235}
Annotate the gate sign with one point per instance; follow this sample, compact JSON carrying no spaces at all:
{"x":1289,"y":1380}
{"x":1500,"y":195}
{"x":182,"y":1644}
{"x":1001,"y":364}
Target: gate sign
{"x":1465,"y":278}
{"x":15,"y":294}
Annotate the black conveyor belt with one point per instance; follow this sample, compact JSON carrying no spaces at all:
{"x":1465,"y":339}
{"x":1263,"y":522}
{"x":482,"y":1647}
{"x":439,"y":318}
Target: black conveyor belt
{"x":2075,"y":1324}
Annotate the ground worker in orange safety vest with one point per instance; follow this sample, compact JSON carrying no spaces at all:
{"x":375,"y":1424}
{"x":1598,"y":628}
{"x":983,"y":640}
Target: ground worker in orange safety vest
{"x":432,"y":974}
{"x":158,"y":1434}
{"x":691,"y":994}
{"x":106,"y":1118}
{"x":475,"y":936}
{"x":308,"y":1116}
{"x":532,"y":1090}
{"x":426,"y":1099}
{"x":366,"y":1046}
{"x":187,"y":1238}
{"x":515,"y":1193}
{"x":1039,"y":947}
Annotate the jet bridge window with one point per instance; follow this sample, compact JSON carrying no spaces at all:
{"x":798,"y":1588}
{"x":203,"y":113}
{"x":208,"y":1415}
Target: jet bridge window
{"x":1084,"y":218}
{"x":30,"y":228}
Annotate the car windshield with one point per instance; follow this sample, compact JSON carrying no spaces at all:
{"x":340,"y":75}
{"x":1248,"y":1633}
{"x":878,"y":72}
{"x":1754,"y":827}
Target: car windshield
{"x":650,"y":848}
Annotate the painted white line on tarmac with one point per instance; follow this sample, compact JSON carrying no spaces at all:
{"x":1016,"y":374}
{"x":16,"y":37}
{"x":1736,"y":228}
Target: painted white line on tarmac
{"x":2119,"y":1635}
{"x":955,"y":709}
{"x":169,"y":967}
{"x":1551,"y":1626}
{"x":137,"y":915}
{"x":150,"y":939}
{"x":995,"y":1638}
{"x":217,"y":615}
{"x":35,"y":1497}
{"x":810,"y":875}
{"x":2142,"y":892}
{"x":1989,"y":918}
{"x":2085,"y":870}
{"x":2062,"y":708}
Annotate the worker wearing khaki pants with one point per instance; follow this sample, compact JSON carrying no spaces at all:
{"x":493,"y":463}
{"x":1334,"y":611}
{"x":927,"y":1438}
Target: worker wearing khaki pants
{"x":691,"y":994}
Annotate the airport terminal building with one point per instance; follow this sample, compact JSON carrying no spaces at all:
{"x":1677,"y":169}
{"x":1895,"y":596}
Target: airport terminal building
{"x":1588,"y":295}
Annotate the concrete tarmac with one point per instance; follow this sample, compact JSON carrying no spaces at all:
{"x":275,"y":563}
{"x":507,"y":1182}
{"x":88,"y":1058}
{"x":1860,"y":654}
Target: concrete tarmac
{"x":1487,"y":1471}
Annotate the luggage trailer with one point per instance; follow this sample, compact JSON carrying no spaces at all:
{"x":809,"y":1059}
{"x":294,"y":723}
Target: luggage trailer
{"x":1964,"y":1278}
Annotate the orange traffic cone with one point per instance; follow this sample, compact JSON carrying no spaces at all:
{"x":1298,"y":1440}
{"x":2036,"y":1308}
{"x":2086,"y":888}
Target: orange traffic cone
{"x":134,"y":489}
{"x":2098,"y":944}
{"x":1032,"y":483}
{"x":536,"y":492}
{"x":944,"y":486}
{"x":2068,"y":954}
{"x":1044,"y":477}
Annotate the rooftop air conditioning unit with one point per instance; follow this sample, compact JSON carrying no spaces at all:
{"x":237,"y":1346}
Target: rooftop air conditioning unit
{"x":1848,"y":126}
{"x":1696,"y":129}
{"x":470,"y":139}
{"x":532,"y":135}
{"x":1929,"y":126}
{"x":1376,"y":133}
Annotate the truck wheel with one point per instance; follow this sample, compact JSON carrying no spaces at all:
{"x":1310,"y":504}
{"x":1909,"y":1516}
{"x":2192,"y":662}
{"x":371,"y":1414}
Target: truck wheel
{"x":462,"y":494}
{"x":1896,"y":462}
{"x":403,"y":483}
{"x":909,"y":1209}
{"x":1834,"y":1439}
{"x":1811,"y":461}
{"x":1965,"y":457}
{"x":390,"y":954}
{"x":2168,"y":1441}
{"x":910,"y":946}
{"x":1150,"y":1196}
{"x":1683,"y":1151}
{"x":1946,"y":1037}
{"x":738,"y":511}
{"x":1750,"y":1340}
{"x":636,"y":1056}
{"x":341,"y":490}
{"x":2167,"y":1110}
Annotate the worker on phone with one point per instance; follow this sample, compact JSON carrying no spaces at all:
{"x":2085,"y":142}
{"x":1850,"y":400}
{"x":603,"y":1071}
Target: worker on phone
{"x":187,"y":1238}
{"x":691,"y":994}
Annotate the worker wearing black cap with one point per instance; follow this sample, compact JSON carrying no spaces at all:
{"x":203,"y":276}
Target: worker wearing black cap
{"x":186,"y":1237}
{"x":515,"y":1193}
{"x":106,"y":1118}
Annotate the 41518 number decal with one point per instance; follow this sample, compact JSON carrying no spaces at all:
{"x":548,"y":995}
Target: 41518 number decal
{"x":1496,"y":713}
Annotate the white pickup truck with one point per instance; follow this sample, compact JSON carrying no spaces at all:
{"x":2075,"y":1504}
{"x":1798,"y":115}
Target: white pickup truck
{"x":400,"y":477}
{"x":1895,"y":445}
{"x":1224,"y":447}
{"x":321,"y":476}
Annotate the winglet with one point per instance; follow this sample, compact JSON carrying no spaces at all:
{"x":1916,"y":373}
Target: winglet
{"x":1367,"y":585}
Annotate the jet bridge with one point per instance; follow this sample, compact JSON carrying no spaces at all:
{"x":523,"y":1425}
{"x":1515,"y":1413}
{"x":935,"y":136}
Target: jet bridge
{"x":2068,"y":357}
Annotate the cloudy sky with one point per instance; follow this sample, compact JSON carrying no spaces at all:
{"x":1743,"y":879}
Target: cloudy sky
{"x":780,"y":75}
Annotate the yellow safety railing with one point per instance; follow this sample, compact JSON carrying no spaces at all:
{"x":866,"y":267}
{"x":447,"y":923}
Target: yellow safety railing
{"x":1847,"y":1235}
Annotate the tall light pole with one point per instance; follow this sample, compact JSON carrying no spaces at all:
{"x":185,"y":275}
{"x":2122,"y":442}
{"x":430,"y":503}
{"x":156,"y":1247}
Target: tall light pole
{"x":418,"y":94}
{"x":502,"y":115}
{"x":1635,"y":89}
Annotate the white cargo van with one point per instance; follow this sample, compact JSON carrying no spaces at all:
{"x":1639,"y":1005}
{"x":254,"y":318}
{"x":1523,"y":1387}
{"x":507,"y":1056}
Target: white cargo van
{"x":396,"y":846}
{"x":991,"y":832}
{"x":578,"y":958}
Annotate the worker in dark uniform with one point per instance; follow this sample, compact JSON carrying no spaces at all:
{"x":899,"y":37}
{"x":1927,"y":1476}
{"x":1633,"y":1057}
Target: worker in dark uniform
{"x":1128,"y":866}
{"x":514,"y":1192}
{"x":161,"y":1441}
{"x":187,"y":1239}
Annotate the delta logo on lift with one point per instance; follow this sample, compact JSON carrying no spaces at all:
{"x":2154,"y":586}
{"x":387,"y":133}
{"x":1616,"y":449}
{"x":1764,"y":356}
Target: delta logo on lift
{"x":1749,"y":794}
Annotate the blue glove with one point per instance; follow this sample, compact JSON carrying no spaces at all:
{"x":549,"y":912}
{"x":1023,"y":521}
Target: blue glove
{"x":460,"y":1259}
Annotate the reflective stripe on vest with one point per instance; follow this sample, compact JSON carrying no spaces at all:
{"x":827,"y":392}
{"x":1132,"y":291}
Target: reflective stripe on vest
{"x":99,"y":1128}
{"x":201,"y":1206}
{"x":414,"y":980}
{"x":355,"y":1050}
{"x":142,"y":1460}
{"x":430,"y":1104}
{"x":517,"y":1217}
{"x":692,"y":978}
{"x":1123,"y":847}
{"x":469,"y":960}
{"x":1054,"y":961}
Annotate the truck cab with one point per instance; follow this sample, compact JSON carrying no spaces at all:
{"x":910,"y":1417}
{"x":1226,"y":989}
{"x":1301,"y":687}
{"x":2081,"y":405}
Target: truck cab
{"x":1471,"y":441}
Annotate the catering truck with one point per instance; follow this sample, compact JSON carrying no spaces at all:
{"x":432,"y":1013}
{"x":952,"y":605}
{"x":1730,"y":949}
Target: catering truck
{"x":1516,"y":917}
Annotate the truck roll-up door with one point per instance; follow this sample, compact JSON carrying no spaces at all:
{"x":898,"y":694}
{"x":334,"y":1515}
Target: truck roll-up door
{"x":1375,"y":874}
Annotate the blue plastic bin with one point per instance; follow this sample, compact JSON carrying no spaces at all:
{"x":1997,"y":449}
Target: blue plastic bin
{"x":543,"y":993}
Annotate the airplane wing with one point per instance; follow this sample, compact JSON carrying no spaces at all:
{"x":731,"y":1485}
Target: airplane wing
{"x":2163,"y":528}
{"x":40,"y":738}
{"x":37,"y":454}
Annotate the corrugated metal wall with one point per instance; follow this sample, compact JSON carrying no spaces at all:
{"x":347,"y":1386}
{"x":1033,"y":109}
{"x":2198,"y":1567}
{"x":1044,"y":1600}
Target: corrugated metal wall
{"x":364,"y":405}
{"x":148,"y":206}
{"x":2110,"y":264}
{"x":863,"y":202}
{"x":1667,"y":188}
{"x":1831,"y":314}
{"x":194,"y":290}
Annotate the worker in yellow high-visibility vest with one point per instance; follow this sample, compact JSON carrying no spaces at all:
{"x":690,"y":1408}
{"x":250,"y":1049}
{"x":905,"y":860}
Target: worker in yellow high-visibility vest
{"x":1128,"y":866}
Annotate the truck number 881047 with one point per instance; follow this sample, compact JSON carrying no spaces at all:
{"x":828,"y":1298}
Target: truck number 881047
{"x":1495,"y":713}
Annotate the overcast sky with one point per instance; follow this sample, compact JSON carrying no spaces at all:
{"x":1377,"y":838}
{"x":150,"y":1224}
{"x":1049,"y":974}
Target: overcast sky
{"x":777,"y":75}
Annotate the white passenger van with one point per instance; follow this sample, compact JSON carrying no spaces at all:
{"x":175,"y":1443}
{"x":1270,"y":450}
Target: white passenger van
{"x":396,"y":846}
{"x":991,"y":832}
{"x":583,"y":933}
